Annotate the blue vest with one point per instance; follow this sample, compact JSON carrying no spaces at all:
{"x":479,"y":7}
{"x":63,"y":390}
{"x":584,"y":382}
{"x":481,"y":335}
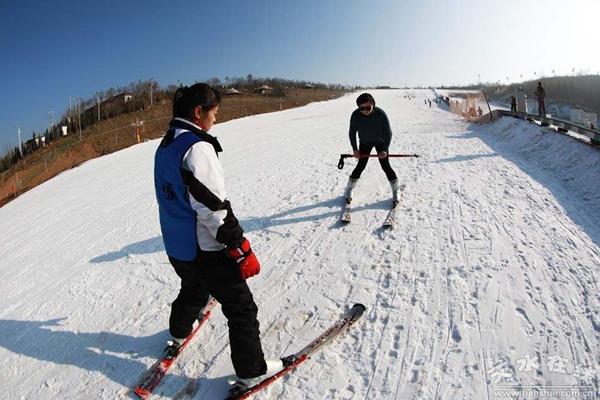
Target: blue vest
{"x":177,"y":217}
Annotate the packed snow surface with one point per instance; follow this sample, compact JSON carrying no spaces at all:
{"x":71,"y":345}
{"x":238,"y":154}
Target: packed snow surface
{"x":490,"y":276}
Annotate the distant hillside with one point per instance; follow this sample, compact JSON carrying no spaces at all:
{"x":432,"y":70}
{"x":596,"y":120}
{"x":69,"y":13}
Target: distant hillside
{"x":578,"y":91}
{"x":118,"y":132}
{"x":83,"y":114}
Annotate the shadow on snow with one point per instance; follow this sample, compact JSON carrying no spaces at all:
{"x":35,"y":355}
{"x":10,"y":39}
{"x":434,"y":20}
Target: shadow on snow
{"x":305,"y":213}
{"x":113,"y":355}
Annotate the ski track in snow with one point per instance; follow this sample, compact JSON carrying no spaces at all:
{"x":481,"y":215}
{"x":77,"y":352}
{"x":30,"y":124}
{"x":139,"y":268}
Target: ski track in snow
{"x":494,"y":256}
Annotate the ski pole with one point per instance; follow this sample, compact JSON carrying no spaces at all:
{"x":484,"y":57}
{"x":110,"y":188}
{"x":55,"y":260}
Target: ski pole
{"x":343,"y":156}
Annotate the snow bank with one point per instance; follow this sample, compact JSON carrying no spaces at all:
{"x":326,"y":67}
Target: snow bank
{"x":575,"y":164}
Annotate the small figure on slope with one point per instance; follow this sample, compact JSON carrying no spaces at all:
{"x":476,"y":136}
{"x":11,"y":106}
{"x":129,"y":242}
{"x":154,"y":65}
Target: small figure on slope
{"x":540,"y":93}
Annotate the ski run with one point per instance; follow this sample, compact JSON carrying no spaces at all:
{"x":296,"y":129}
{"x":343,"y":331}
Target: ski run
{"x":488,"y":277}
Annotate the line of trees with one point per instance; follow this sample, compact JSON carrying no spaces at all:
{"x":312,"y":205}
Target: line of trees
{"x":250,"y":82}
{"x":84,"y":112}
{"x":143,"y":93}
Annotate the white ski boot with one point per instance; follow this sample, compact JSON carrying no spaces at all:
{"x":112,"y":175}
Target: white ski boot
{"x":173,"y":347}
{"x":351,"y":185}
{"x":273,"y":367}
{"x":395,"y":188}
{"x":240,"y":385}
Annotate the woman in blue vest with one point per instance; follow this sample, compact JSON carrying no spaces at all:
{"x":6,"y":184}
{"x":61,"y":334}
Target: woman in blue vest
{"x":202,"y":236}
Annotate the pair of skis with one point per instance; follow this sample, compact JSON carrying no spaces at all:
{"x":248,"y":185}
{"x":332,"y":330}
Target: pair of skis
{"x":388,"y":223}
{"x":150,"y":381}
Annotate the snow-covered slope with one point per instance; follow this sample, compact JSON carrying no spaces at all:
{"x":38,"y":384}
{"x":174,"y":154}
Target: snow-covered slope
{"x":494,"y":260}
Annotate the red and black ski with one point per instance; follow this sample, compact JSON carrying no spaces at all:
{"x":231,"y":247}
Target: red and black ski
{"x":292,"y":361}
{"x":152,"y":378}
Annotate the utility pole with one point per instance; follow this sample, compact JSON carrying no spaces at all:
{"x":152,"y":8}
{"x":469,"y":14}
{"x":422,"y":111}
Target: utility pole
{"x":79,"y":115}
{"x":151,"y":87}
{"x":50,"y":127}
{"x":479,"y":79}
{"x":20,"y":145}
{"x":51,"y":118}
{"x":98,"y":102}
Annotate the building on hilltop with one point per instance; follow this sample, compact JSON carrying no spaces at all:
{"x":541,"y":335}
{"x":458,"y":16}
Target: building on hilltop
{"x":264,"y":89}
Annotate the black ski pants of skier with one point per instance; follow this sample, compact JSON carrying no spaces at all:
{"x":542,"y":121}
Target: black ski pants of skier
{"x":362,"y":162}
{"x":213,"y":273}
{"x":542,"y":107}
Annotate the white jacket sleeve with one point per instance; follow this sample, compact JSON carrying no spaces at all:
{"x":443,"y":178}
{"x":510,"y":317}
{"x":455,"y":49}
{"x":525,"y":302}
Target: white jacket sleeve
{"x":203,"y":174}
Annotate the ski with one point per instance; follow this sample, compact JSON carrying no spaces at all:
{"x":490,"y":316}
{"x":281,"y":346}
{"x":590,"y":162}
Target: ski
{"x":151,"y":379}
{"x":390,"y":219}
{"x":291,"y":362}
{"x":346,"y":215}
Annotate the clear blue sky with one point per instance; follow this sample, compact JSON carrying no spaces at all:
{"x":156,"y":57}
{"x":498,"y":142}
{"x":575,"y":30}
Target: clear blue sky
{"x":53,"y":50}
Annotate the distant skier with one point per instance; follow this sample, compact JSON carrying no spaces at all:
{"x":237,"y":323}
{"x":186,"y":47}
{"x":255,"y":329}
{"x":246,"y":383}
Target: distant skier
{"x":540,"y":93}
{"x":521,"y":99}
{"x":374,"y":131}
{"x":513,"y":104}
{"x":202,"y":236}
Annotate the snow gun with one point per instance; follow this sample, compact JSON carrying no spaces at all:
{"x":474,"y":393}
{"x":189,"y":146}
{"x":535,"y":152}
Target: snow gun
{"x":343,"y":156}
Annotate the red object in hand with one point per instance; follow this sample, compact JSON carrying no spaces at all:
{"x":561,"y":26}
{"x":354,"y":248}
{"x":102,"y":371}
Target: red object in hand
{"x":246,"y":259}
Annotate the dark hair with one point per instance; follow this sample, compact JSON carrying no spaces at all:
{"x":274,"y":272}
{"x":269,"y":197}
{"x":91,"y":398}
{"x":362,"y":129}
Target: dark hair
{"x":363,"y":98}
{"x":186,"y":99}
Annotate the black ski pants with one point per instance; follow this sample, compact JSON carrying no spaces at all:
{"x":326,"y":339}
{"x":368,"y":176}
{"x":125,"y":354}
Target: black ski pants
{"x":542,"y":108}
{"x":362,"y":162}
{"x":213,"y":273}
